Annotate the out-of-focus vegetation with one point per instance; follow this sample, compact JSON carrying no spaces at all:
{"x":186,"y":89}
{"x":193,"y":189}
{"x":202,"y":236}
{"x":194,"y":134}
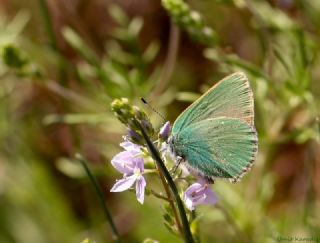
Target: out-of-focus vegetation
{"x":62,"y":64}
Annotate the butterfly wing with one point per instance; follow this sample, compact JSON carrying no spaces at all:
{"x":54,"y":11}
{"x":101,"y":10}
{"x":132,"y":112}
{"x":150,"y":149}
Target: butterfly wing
{"x":231,"y":97}
{"x":218,"y":147}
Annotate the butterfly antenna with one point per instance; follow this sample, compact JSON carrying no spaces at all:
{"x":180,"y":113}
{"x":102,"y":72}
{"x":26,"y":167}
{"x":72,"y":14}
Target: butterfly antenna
{"x":154,"y":110}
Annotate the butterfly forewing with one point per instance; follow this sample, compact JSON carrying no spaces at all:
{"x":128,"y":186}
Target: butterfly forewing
{"x":218,"y":147}
{"x":231,"y":97}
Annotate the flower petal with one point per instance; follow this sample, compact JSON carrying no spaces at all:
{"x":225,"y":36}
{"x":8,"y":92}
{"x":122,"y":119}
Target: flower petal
{"x":188,"y":196}
{"x":140,"y":186}
{"x":188,"y":202}
{"x":211,"y":197}
{"x":198,"y":193}
{"x":193,"y":188}
{"x":139,"y":163}
{"x":129,"y":146}
{"x":123,"y":184}
{"x":124,"y":162}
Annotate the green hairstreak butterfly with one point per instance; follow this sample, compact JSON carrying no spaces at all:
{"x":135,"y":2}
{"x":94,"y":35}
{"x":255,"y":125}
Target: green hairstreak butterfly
{"x":215,"y":135}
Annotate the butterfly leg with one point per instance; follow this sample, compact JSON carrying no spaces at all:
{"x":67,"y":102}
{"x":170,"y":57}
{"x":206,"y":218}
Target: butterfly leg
{"x":177,"y":164}
{"x":208,"y":179}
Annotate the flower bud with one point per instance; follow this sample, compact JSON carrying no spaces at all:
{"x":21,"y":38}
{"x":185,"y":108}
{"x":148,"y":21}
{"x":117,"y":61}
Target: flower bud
{"x":130,"y":116}
{"x":165,"y":131}
{"x":13,"y":57}
{"x":190,"y":21}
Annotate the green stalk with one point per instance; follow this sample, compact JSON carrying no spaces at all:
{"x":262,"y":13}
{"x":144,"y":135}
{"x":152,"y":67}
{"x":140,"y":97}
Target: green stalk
{"x":52,"y":38}
{"x":115,"y":233}
{"x":170,"y":61}
{"x":174,"y":210}
{"x":156,"y":156}
{"x":196,"y":231}
{"x":48,"y":23}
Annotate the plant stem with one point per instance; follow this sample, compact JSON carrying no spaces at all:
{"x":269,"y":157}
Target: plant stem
{"x":196,"y":233}
{"x":165,"y":185}
{"x":156,"y":156}
{"x":115,"y":234}
{"x":169,"y":63}
{"x":69,"y":94}
{"x":158,"y":195}
{"x":48,"y":24}
{"x":53,"y":40}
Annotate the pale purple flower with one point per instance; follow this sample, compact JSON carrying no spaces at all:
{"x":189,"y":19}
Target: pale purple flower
{"x":199,"y":193}
{"x":125,"y":161}
{"x":131,"y":147}
{"x":131,"y":166}
{"x":165,"y":131}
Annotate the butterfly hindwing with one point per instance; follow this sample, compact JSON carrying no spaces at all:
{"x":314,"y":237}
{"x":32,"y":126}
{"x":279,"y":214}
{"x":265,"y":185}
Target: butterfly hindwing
{"x":231,"y":97}
{"x":218,"y":147}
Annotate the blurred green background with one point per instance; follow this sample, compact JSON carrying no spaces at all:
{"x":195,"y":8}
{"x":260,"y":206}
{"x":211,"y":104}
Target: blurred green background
{"x":63,"y":62}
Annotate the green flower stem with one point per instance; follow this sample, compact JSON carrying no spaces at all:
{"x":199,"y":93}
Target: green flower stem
{"x":156,"y":156}
{"x":48,"y":24}
{"x":196,"y":230}
{"x":158,"y":195}
{"x":170,"y":61}
{"x":52,"y":37}
{"x":115,"y":233}
{"x":165,"y":185}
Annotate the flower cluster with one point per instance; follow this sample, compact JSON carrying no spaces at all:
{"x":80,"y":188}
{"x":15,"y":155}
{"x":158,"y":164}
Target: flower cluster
{"x":190,"y":21}
{"x":131,"y":164}
{"x":129,"y":116}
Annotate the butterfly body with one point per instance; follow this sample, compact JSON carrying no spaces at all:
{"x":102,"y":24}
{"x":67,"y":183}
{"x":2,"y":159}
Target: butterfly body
{"x":215,"y":135}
